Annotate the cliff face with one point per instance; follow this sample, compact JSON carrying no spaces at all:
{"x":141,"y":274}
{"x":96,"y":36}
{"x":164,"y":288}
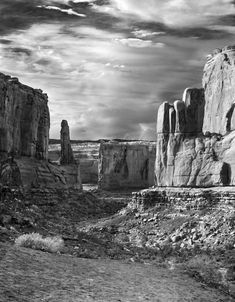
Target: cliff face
{"x":126,"y":165}
{"x":187,"y":157}
{"x":30,"y":173}
{"x":24,"y":120}
{"x":24,"y":138}
{"x":219,"y":84}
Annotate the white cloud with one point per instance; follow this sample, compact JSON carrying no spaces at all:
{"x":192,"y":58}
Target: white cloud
{"x":141,"y":33}
{"x":82,"y":1}
{"x":180,"y":13}
{"x":138,"y":43}
{"x":66,"y":11}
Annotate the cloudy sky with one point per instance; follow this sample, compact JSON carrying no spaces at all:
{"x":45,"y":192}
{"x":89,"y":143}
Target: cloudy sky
{"x":108,"y":64}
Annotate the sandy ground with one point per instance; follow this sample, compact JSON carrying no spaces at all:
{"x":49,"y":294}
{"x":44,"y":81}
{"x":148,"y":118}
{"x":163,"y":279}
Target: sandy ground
{"x":33,"y":276}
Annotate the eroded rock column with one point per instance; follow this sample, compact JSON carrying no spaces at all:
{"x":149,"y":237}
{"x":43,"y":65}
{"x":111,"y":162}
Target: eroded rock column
{"x":67,"y":156}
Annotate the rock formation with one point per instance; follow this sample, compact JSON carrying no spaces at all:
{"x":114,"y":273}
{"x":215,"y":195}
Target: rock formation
{"x":24,"y":120}
{"x":86,"y":153}
{"x":24,"y":137}
{"x":195,"y":137}
{"x":126,"y":165}
{"x":219,"y":84}
{"x":66,"y":149}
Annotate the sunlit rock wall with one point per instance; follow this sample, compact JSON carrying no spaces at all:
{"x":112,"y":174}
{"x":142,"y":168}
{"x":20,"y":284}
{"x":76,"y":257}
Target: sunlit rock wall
{"x":126,"y":165}
{"x":195,"y":137}
{"x":219,"y":83}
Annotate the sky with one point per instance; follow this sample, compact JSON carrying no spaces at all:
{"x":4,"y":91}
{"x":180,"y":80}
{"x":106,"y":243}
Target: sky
{"x":106,"y":65}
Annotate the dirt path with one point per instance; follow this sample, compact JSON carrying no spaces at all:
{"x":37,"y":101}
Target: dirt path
{"x":32,"y":276}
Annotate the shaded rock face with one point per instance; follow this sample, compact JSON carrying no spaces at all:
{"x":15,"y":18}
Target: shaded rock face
{"x":86,"y":154}
{"x":24,"y":120}
{"x":67,"y":156}
{"x":24,"y":138}
{"x":186,"y":156}
{"x":126,"y":165}
{"x":219,"y":84}
{"x":29,"y":173}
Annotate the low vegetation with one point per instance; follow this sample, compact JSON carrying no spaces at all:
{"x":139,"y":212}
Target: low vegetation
{"x":37,"y":242}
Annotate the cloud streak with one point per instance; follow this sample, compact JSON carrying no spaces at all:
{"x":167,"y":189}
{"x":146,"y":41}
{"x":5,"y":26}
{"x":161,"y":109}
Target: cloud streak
{"x":179,"y":13}
{"x":66,"y":11}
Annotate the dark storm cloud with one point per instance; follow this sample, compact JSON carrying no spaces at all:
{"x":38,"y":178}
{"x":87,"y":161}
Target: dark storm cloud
{"x":107,"y":65}
{"x":5,"y":41}
{"x":21,"y":50}
{"x":21,"y":14}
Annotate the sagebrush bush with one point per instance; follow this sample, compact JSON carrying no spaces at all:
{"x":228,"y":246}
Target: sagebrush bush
{"x":37,"y":242}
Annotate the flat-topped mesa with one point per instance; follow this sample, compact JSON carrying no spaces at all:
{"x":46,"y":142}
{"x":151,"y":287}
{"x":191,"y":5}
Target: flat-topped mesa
{"x":219,"y":84}
{"x":67,"y":156}
{"x":24,"y":120}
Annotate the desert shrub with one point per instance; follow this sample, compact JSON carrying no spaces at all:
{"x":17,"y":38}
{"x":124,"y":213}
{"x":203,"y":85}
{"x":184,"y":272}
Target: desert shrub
{"x":37,"y":242}
{"x":207,"y":269}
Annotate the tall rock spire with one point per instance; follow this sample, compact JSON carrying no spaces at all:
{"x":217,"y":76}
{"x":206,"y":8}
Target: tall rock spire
{"x":67,"y":156}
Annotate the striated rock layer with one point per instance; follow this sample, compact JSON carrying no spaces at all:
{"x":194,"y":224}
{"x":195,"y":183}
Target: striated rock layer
{"x":195,"y":137}
{"x":126,"y":165}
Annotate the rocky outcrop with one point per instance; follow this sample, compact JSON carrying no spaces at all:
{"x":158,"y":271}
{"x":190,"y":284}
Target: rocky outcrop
{"x":29,"y":173}
{"x":219,"y":85}
{"x":24,"y":120}
{"x":192,"y":148}
{"x":126,"y":165}
{"x":86,"y":153}
{"x":67,"y":156}
{"x":24,"y":138}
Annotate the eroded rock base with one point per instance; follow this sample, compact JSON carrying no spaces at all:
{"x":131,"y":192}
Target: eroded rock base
{"x":184,"y":198}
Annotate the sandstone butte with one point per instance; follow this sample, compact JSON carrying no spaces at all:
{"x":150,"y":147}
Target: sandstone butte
{"x":125,"y":165}
{"x":195,"y":138}
{"x":196,"y":135}
{"x":24,"y":139}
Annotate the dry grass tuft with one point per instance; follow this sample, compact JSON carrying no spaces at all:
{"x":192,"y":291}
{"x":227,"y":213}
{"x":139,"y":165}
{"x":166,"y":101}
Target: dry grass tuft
{"x":37,"y":242}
